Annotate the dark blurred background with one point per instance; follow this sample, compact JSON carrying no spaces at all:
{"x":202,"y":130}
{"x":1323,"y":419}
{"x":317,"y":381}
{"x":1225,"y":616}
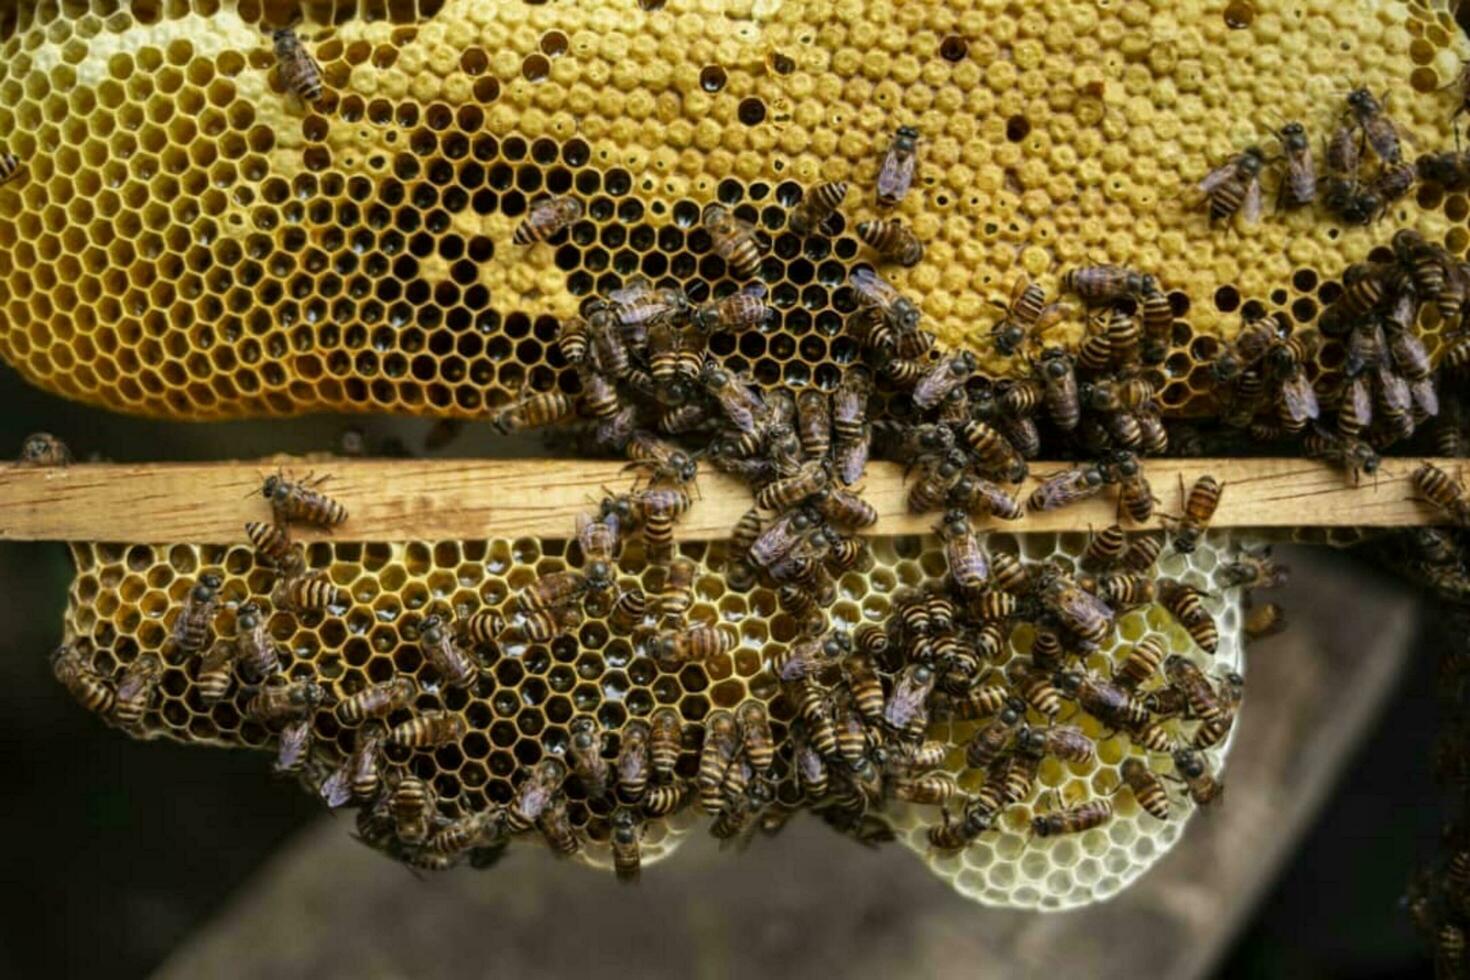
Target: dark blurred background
{"x":119,"y":849}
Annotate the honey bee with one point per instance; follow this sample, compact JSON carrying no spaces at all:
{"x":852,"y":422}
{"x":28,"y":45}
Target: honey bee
{"x":896,"y":173}
{"x":976,"y":818}
{"x":741,"y":310}
{"x":677,"y":595}
{"x":216,"y":667}
{"x":1141,"y":664}
{"x":1392,"y":183}
{"x":1073,"y":820}
{"x":994,"y":452}
{"x":584,"y":748}
{"x":298,"y":70}
{"x":1066,"y":488}
{"x":1099,"y":285}
{"x":1229,"y":695}
{"x":1203,"y":788}
{"x":851,"y":434}
{"x":39,"y":448}
{"x":897,"y":311}
{"x":673,"y":361}
{"x":542,"y":626}
{"x":535,"y":794}
{"x":1147,"y":789}
{"x":907,"y":710}
{"x":547,"y":218}
{"x":1381,"y":132}
{"x":428,"y":730}
{"x":1443,"y":491}
{"x":993,"y":738}
{"x":292,"y":748}
{"x":1199,"y":507}
{"x":301,"y":501}
{"x":781,"y":538}
{"x":92,"y":691}
{"x":943,"y":378}
{"x":755,"y":728}
{"x":357,"y":778}
{"x":537,"y":410}
{"x":194,"y":627}
{"x":10,"y":168}
{"x":1185,"y":603}
{"x":733,"y":240}
{"x":1079,"y":611}
{"x":1106,"y":548}
{"x":453,"y":664}
{"x":930,"y":789}
{"x":1027,"y":314}
{"x":1264,"y":620}
{"x":969,"y":568}
{"x":377,"y":701}
{"x":1036,"y":688}
{"x":816,"y":207}
{"x":1065,"y":742}
{"x":810,"y":657}
{"x":665,"y":742}
{"x":279,"y":702}
{"x":783,"y":494}
{"x":270,"y":540}
{"x":1198,"y":694}
{"x":1299,"y":184}
{"x":978,"y":496}
{"x":893,"y":240}
{"x":1236,"y":186}
{"x":661,"y":801}
{"x":693,"y":645}
{"x":721,"y":743}
{"x":1450,"y":169}
{"x":1254,"y":570}
{"x":1105,"y":701}
{"x":303,"y":591}
{"x":937,"y":477}
{"x":410,"y":804}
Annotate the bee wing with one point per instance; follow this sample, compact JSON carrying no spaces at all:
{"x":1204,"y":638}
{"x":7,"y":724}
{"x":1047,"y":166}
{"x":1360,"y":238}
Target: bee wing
{"x":1217,"y":176}
{"x":872,"y":287}
{"x":896,"y":174}
{"x":1360,"y":392}
{"x":1252,"y":206}
{"x":336,"y":789}
{"x":630,"y":291}
{"x":1298,"y":398}
{"x":756,"y":289}
{"x":1426,"y":396}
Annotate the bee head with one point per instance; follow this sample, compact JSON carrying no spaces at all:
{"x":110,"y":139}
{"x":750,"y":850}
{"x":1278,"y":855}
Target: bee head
{"x":274,"y":486}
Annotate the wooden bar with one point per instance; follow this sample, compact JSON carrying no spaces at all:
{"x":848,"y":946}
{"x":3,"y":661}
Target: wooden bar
{"x":209,"y":503}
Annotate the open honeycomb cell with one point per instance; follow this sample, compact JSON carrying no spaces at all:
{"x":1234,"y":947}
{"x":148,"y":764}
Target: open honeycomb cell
{"x":125,"y":600}
{"x":188,"y":239}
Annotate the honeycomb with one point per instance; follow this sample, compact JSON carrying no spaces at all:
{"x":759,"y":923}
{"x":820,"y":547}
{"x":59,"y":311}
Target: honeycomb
{"x":125,"y":600}
{"x":188,"y":239}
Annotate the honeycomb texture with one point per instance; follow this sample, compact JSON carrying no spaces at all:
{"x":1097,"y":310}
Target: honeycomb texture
{"x":188,"y":239}
{"x":125,"y":598}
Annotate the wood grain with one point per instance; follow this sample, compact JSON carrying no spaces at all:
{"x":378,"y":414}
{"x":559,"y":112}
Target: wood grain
{"x":208,"y":503}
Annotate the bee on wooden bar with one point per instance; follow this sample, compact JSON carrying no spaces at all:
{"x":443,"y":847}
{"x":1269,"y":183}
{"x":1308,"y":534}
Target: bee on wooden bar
{"x":733,"y":240}
{"x":455,"y":666}
{"x":293,"y":748}
{"x":1203,"y":787}
{"x":299,"y":71}
{"x":896,"y":173}
{"x":784,"y":494}
{"x":816,"y":206}
{"x":39,"y":448}
{"x":546,"y":218}
{"x":1443,"y":491}
{"x":1066,"y":488}
{"x":535,"y":794}
{"x":302,"y":501}
{"x":584,"y":748}
{"x":1345,"y":452}
{"x":1147,"y":788}
{"x":428,"y":730}
{"x":279,"y":702}
{"x":1199,"y":507}
{"x":937,"y":476}
{"x":893,"y":240}
{"x":194,"y":627}
{"x":851,"y":433}
{"x":1073,"y":820}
